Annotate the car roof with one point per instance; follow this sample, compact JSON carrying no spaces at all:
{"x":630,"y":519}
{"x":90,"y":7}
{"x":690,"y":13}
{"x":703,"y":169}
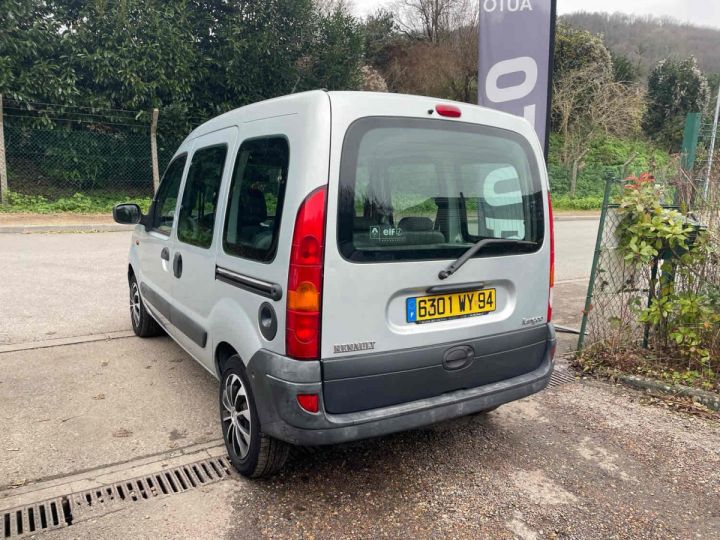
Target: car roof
{"x":307,"y":102}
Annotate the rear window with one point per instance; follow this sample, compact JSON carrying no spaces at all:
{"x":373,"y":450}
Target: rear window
{"x":415,"y":189}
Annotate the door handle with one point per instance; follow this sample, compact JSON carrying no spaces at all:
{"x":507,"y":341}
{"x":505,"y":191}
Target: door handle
{"x":177,"y":265}
{"x":165,"y":254}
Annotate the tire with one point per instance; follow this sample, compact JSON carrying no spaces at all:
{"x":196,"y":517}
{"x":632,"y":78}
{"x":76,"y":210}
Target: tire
{"x":251,"y":452}
{"x":142,"y":322}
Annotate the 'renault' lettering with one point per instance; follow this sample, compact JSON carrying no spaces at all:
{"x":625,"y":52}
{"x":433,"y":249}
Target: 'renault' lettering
{"x":352,"y":347}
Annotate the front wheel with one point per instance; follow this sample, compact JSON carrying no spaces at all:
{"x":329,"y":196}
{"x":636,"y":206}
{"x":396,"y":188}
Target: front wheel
{"x":251,"y":452}
{"x":143,"y":323}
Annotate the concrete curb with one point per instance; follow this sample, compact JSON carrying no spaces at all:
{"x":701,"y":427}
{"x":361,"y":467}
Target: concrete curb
{"x":41,"y":490}
{"x":64,"y":341}
{"x":709,"y":399}
{"x":35,"y":229}
{"x":577,"y":218}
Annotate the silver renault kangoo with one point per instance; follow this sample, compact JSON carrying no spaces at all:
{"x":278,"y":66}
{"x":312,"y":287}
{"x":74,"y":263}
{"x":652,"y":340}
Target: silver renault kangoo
{"x":349,"y":265}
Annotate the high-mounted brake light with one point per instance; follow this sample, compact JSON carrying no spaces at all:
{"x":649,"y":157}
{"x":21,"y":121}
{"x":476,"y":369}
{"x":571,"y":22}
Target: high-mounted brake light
{"x":552,"y":258}
{"x":304,"y":299}
{"x":451,"y":111}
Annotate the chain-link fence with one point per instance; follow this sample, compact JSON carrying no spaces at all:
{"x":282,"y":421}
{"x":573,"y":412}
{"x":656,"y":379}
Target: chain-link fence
{"x":57,"y":155}
{"x":620,"y":288}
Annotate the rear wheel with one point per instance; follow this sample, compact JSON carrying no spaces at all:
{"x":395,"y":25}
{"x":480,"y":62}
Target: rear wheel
{"x":143,"y":323}
{"x":251,"y":452}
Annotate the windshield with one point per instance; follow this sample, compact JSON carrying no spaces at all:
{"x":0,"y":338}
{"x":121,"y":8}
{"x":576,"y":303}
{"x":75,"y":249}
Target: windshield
{"x":415,"y":189}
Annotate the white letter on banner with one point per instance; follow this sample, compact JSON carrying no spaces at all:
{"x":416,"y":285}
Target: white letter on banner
{"x":526,"y":5}
{"x":524,"y":64}
{"x":529,"y":113}
{"x":488,"y":3}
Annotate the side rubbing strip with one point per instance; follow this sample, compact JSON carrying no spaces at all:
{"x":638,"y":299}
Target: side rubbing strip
{"x":182,"y":322}
{"x":189,"y":327}
{"x":155,"y":300}
{"x":251,"y":284}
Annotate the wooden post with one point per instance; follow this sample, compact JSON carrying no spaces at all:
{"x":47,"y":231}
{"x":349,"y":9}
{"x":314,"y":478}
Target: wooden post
{"x":153,"y":150}
{"x":3,"y":168}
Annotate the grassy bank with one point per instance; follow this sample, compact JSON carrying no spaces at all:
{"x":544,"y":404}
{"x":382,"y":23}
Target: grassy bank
{"x":96,"y":203}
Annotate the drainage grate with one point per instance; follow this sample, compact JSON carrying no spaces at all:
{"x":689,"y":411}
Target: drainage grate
{"x":561,"y":375}
{"x":64,"y":511}
{"x":33,"y":518}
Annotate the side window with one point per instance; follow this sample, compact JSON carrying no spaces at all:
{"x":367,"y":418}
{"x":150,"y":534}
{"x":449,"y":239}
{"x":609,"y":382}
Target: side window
{"x":200,"y":197}
{"x":252,"y":221}
{"x":166,"y":199}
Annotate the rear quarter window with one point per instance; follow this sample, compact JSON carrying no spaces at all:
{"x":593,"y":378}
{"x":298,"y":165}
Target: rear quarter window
{"x":423,"y":189}
{"x":255,"y":203}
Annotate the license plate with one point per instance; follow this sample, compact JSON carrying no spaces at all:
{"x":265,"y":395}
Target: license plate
{"x":450,"y":306}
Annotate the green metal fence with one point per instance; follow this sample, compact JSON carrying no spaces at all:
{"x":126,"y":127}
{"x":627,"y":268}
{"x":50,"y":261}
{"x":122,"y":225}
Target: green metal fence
{"x":619,"y":290}
{"x":53,"y":152}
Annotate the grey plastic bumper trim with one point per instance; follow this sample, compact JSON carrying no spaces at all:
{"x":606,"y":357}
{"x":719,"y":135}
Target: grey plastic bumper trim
{"x":277,"y":381}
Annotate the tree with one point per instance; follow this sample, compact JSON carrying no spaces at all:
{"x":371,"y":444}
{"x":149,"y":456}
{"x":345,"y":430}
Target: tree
{"x":624,"y":71}
{"x":674,"y":90}
{"x":196,"y":57}
{"x":134,"y":54}
{"x":588,"y":105}
{"x":380,"y":37}
{"x":438,"y":58}
{"x":577,"y":49}
{"x":33,"y":48}
{"x":430,"y":20}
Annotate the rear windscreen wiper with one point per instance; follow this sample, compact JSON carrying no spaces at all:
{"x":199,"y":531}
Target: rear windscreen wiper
{"x":457,"y":263}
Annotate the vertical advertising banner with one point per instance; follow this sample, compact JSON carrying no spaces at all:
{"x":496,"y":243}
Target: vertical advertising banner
{"x":516,"y":40}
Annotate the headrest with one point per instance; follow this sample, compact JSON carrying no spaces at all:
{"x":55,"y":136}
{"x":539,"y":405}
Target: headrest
{"x":253,"y":209}
{"x":416,"y":224}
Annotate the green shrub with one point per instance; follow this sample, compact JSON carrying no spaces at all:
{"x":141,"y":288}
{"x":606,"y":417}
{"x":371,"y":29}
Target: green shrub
{"x":565,"y":202}
{"x":605,"y":157}
{"x":77,"y":203}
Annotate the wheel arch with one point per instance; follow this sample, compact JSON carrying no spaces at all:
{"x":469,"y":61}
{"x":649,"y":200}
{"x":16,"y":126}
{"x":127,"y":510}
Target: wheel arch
{"x":223,"y":352}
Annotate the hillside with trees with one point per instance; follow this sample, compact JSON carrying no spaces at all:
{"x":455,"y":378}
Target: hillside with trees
{"x":645,"y":41}
{"x":610,"y":116}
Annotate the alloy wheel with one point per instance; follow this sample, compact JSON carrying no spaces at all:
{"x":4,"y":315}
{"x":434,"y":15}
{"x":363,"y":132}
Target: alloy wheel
{"x":235,"y":416}
{"x":135,"y":304}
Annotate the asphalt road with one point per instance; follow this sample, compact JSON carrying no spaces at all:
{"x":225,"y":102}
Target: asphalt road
{"x":581,"y":460}
{"x":63,"y":285}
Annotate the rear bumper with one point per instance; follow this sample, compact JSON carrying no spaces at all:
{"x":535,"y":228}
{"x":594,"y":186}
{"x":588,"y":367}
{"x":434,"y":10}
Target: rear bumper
{"x":277,"y":380}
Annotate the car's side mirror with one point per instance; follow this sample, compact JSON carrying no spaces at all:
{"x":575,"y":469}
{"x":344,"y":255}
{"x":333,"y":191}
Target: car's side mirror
{"x":127,"y":214}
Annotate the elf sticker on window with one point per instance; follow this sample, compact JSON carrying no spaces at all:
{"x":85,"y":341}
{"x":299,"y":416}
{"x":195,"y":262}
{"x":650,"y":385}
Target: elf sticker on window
{"x":386,"y":234}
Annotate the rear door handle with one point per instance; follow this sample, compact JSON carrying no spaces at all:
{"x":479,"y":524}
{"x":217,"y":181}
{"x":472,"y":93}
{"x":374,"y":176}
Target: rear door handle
{"x":165,"y":254}
{"x":177,"y":265}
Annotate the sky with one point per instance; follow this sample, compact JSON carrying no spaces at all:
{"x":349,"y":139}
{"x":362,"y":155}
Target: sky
{"x":699,"y":12}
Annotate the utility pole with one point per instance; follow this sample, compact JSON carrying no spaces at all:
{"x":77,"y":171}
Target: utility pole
{"x":712,"y":143}
{"x":3,"y":168}
{"x":153,"y":150}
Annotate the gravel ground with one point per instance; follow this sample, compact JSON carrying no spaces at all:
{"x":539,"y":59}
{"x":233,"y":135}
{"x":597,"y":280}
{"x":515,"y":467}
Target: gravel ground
{"x":584,"y":460}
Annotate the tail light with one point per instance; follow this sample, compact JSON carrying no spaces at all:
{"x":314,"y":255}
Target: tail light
{"x":552,"y":258}
{"x":309,"y":402}
{"x":304,"y":298}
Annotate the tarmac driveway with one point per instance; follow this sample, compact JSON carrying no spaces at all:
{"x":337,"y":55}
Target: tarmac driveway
{"x":582,"y":459}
